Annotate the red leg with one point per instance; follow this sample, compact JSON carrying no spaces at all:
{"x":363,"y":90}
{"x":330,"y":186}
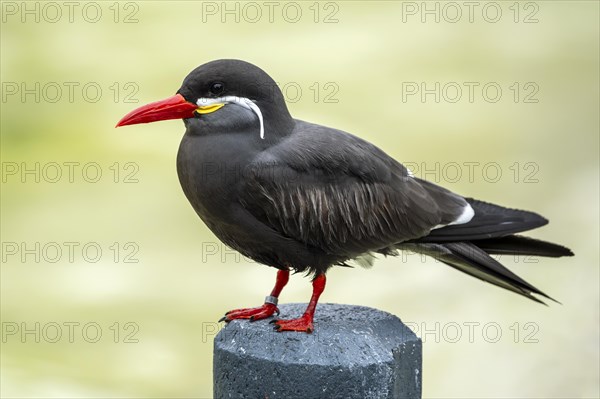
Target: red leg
{"x":305,"y":322}
{"x":268,"y":308}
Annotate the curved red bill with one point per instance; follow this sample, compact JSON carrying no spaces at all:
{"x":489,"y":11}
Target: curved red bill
{"x":175,"y":107}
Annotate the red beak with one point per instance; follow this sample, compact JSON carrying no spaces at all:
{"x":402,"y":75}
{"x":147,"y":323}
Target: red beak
{"x":175,"y":107}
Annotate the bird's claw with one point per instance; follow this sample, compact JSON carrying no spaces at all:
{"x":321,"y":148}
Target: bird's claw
{"x":252,"y":314}
{"x":301,"y":324}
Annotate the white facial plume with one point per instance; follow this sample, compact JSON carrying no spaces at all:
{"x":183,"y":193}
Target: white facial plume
{"x":208,"y":103}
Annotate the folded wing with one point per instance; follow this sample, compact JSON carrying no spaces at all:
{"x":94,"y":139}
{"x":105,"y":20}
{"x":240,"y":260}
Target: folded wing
{"x":343,"y":195}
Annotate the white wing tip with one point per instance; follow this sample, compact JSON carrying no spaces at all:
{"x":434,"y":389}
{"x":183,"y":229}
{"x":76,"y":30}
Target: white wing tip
{"x":466,"y":215}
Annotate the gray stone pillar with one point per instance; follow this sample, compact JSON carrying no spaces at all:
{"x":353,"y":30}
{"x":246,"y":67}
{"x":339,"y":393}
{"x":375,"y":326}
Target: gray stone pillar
{"x":354,"y":352}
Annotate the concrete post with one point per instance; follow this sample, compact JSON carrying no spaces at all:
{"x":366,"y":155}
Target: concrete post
{"x":355,"y":352}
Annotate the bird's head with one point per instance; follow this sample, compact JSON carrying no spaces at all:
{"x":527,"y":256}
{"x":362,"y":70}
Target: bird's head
{"x":221,"y":95}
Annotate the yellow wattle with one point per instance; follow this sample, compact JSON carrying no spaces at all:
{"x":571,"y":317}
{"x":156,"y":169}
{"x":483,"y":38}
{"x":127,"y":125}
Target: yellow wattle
{"x":207,"y":109}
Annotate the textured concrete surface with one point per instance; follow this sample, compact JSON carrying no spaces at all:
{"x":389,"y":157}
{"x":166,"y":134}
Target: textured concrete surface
{"x":355,"y":352}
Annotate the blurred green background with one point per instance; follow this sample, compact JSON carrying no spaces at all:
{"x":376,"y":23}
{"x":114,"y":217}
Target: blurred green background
{"x":343,"y":64}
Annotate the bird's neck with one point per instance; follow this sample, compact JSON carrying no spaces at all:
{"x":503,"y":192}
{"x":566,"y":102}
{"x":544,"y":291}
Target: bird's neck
{"x":278,"y":124}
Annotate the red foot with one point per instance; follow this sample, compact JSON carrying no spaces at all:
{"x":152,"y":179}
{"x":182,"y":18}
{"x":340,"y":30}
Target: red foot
{"x":259,"y":313}
{"x":301,"y":324}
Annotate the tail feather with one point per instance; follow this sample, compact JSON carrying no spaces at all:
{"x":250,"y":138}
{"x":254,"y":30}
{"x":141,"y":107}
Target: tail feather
{"x":521,"y":245}
{"x":467,"y":246}
{"x":474,"y":261}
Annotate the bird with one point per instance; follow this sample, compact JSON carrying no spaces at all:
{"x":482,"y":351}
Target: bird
{"x":302,"y":198}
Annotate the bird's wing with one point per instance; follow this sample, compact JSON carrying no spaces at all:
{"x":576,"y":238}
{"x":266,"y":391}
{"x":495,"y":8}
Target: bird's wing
{"x":489,"y":221}
{"x":331,"y":190}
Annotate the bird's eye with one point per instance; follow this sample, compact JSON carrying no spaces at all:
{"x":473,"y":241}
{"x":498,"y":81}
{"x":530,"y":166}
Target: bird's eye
{"x":217,"y":88}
